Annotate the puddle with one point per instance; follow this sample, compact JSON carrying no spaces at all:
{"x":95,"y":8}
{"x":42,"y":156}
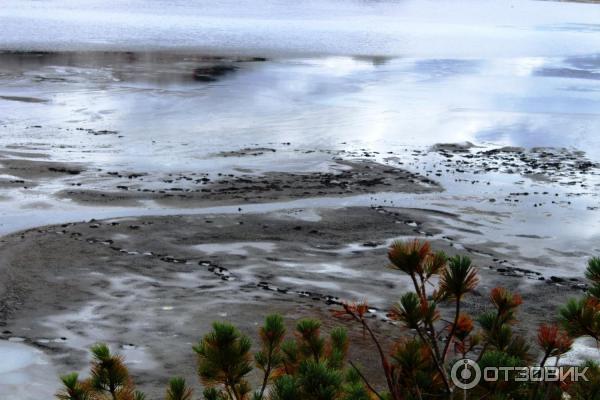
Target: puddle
{"x":307,"y":283}
{"x":26,"y":373}
{"x":236,"y":248}
{"x":583,"y":349}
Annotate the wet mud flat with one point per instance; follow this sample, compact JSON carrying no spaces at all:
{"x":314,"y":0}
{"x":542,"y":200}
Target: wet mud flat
{"x":151,"y":286}
{"x":346,"y":177}
{"x":157,"y":67}
{"x":86,"y":133}
{"x":557,"y":165}
{"x":345,"y":173}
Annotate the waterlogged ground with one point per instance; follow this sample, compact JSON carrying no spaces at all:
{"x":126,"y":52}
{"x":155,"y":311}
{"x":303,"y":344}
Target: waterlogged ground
{"x":241,"y":160}
{"x":147,"y":134}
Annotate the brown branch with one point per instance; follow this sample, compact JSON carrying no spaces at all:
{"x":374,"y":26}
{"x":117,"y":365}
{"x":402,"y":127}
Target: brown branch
{"x":452,"y":330}
{"x":437,"y":363}
{"x":267,"y":373}
{"x":384,"y":362}
{"x":371,"y":388}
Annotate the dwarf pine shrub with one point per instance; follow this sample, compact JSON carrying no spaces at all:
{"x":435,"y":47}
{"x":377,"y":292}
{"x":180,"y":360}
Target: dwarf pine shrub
{"x":311,"y":365}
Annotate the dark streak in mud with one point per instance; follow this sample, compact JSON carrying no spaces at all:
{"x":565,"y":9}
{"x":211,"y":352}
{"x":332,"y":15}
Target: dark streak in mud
{"x":24,"y":99}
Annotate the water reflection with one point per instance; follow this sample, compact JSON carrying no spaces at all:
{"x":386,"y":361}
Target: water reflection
{"x":440,"y":69}
{"x":171,"y":109}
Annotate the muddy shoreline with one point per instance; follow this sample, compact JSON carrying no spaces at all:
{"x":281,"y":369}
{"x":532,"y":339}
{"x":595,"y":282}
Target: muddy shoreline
{"x":166,"y":165}
{"x":151,"y":286}
{"x":197,"y":190}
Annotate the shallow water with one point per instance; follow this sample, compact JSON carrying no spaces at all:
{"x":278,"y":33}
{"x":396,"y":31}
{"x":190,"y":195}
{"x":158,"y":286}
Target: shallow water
{"x":524,"y":73}
{"x":166,"y":121}
{"x":392,"y":73}
{"x":413,"y":28}
{"x":25,"y":372}
{"x":340,"y":75}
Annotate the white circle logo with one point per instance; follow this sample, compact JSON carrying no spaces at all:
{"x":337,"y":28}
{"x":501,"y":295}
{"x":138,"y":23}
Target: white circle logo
{"x":465,"y":374}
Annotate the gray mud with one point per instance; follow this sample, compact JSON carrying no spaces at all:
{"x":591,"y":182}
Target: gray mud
{"x":36,"y":169}
{"x":197,"y":189}
{"x":151,"y":286}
